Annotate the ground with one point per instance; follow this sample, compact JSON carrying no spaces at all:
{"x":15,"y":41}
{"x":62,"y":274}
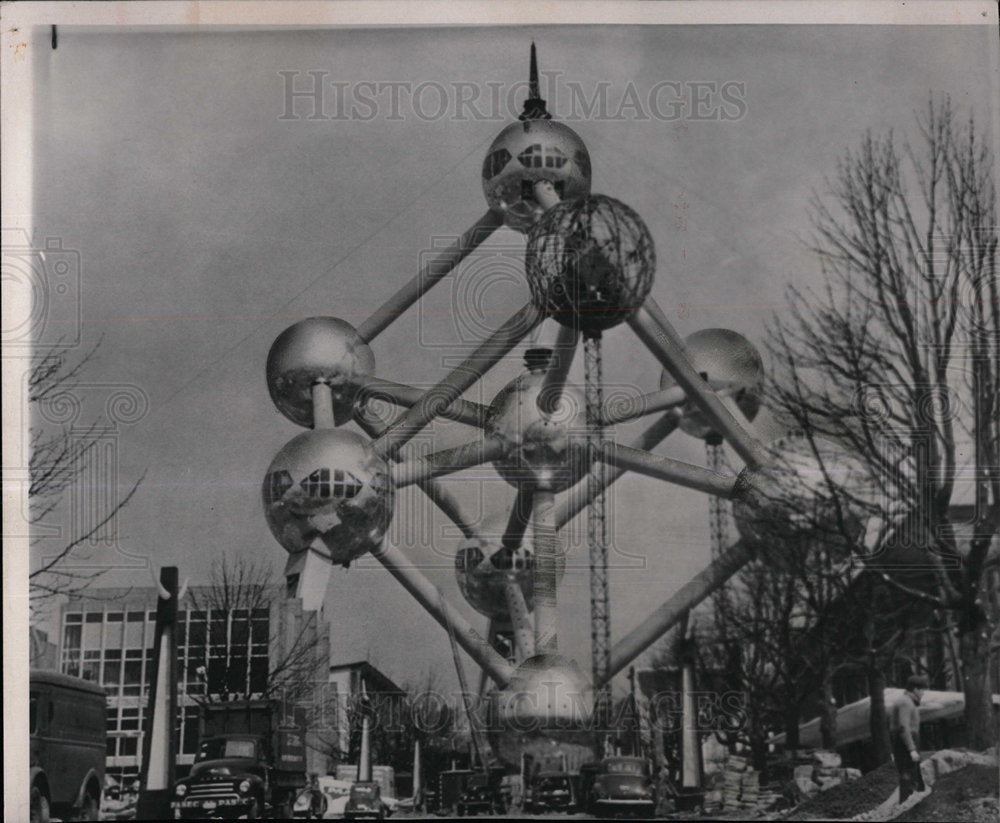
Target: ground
{"x":845,"y":801}
{"x":968,"y":795}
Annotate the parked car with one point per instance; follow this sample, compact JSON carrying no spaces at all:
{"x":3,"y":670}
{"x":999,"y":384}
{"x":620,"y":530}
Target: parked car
{"x":365,"y":801}
{"x":624,"y":785}
{"x":550,"y":791}
{"x":482,"y":794}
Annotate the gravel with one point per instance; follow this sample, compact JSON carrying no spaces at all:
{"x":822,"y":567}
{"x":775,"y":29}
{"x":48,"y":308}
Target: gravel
{"x":852,"y":798}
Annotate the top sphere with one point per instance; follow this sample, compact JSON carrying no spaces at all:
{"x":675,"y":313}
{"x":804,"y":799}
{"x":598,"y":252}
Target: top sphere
{"x":529,"y":151}
{"x":721,"y":355}
{"x":317,"y":350}
{"x":590,"y":262}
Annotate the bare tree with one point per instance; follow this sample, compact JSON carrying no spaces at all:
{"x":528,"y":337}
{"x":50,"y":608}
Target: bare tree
{"x":898,"y":357}
{"x":238,"y":601}
{"x":58,"y":459}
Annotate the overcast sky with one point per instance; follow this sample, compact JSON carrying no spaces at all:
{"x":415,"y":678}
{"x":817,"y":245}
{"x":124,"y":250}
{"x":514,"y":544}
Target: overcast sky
{"x":206,"y":223}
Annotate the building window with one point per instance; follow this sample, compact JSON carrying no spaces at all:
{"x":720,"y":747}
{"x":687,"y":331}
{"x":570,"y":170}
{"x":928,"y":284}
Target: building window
{"x":275,"y":486}
{"x":495,"y":163}
{"x":317,"y":484}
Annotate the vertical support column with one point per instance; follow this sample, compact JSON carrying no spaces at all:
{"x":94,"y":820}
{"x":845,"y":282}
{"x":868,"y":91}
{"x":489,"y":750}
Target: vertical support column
{"x":718,"y":507}
{"x":365,"y":755}
{"x":691,"y":776}
{"x":520,"y":620}
{"x":544,"y":539}
{"x":597,"y":539}
{"x":322,"y":400}
{"x":159,"y":745}
{"x":418,"y":782}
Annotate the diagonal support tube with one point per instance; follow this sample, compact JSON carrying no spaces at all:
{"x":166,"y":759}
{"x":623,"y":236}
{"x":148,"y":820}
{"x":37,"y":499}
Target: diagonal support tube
{"x":430,"y":274}
{"x":447,"y":461}
{"x":666,"y":468}
{"x":428,"y":596}
{"x":439,"y":397}
{"x":578,"y":496}
{"x":434,"y":490}
{"x":462,"y":411}
{"x":654,"y":330}
{"x":673,"y":610}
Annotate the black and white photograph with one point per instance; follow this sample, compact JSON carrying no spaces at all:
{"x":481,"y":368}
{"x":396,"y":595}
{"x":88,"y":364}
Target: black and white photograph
{"x":514,"y":410}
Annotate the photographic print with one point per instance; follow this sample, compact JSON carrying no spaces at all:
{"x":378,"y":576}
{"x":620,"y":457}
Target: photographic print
{"x":564,"y":411}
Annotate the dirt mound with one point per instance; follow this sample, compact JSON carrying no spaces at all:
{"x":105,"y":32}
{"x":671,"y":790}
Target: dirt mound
{"x":967,"y":795}
{"x":852,"y":798}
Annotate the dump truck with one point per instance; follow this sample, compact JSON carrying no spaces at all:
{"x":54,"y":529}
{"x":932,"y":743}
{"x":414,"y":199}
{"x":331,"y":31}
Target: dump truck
{"x":251,"y":762}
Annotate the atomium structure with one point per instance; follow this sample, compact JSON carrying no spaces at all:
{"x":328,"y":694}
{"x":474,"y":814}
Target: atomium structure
{"x":589,"y":264}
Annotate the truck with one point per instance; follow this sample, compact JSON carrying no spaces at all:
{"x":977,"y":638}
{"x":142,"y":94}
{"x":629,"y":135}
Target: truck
{"x":251,"y":762}
{"x":67,"y":722}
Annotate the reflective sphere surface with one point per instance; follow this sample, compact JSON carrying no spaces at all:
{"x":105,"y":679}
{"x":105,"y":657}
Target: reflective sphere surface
{"x":317,"y":349}
{"x":546,"y":450}
{"x":590,"y":262}
{"x":725,"y":356}
{"x":813,"y":496}
{"x":526,"y":152}
{"x":483,"y":569}
{"x":328,"y":490}
{"x":548,"y":701}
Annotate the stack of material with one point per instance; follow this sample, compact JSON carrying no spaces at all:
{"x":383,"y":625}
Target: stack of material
{"x":750,"y":789}
{"x":827,"y":771}
{"x":733,"y":778}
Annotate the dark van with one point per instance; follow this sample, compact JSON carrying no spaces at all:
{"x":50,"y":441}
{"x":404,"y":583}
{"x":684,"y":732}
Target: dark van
{"x":68,"y":745}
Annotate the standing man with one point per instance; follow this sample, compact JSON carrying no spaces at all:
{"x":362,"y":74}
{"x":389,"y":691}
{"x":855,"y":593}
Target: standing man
{"x":904,"y":731}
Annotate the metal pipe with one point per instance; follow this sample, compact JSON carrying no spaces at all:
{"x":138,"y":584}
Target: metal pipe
{"x":666,"y":468}
{"x":517,"y":522}
{"x":654,"y":330}
{"x":322,"y":400}
{"x":544,"y":539}
{"x":578,"y":496}
{"x":434,"y":490}
{"x":672,"y":610}
{"x":447,"y":461}
{"x":427,"y":595}
{"x":555,"y":378}
{"x":430,"y":274}
{"x":434,"y":400}
{"x":462,"y":411}
{"x":621,"y":410}
{"x":520,"y":620}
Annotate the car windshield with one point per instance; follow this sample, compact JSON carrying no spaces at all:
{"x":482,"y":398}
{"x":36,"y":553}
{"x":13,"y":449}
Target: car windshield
{"x":221,"y":748}
{"x":636,"y":767}
{"x":553,"y":783}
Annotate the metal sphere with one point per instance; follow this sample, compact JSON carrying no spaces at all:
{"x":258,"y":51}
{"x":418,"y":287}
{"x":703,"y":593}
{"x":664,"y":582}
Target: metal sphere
{"x":545,"y":450}
{"x":548,"y":701}
{"x":328,"y":490}
{"x":590,"y":262}
{"x":529,"y":151}
{"x":483,"y":570}
{"x":724,"y":356}
{"x":814,"y":495}
{"x":317,"y":349}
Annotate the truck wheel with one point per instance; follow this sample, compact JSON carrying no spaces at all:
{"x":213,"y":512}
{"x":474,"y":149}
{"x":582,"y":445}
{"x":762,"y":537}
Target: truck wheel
{"x":91,"y":808}
{"x":39,"y":806}
{"x":254,"y":812}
